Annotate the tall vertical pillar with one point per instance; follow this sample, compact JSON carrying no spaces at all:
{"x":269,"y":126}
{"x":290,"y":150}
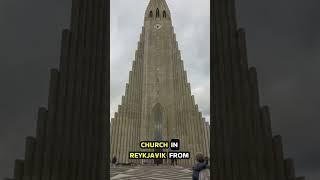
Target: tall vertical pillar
{"x":18,"y":170}
{"x":267,"y":139}
{"x":129,"y":117}
{"x":126,"y":122}
{"x":278,"y":158}
{"x":40,"y":136}
{"x":29,"y":158}
{"x":289,"y":169}
{"x":117,"y":136}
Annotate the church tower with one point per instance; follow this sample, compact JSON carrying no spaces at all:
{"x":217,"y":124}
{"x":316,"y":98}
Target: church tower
{"x":158,"y":104}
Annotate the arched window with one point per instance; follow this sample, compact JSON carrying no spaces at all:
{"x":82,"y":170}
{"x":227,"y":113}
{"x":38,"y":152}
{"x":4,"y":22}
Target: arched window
{"x":164,"y":14}
{"x":157,"y":13}
{"x":151,"y":14}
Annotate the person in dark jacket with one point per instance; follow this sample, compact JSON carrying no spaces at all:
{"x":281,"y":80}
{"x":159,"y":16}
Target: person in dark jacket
{"x":172,"y":162}
{"x":176,"y":162}
{"x":114,"y":161}
{"x":200,"y":165}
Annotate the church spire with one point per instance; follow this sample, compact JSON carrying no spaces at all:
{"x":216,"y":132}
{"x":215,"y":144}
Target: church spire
{"x":157,"y":9}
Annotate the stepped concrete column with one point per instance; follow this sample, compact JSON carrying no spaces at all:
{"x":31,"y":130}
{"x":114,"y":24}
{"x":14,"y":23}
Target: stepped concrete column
{"x":120,"y":130}
{"x":29,"y":158}
{"x":126,"y":119}
{"x":200,"y":131}
{"x":112,"y":134}
{"x":131,"y":118}
{"x":247,"y":131}
{"x":204,"y":141}
{"x":186,"y":116}
{"x":136,"y":123}
{"x":139,"y":95}
{"x":289,"y":169}
{"x":256,"y":121}
{"x":269,"y":157}
{"x":117,"y":134}
{"x":18,"y":170}
{"x":122,"y":125}
{"x":40,"y":136}
{"x":278,"y":158}
{"x":190,"y":114}
{"x":51,"y":123}
{"x":218,"y":106}
{"x":61,"y":105}
{"x":134,"y":107}
{"x":207,"y":137}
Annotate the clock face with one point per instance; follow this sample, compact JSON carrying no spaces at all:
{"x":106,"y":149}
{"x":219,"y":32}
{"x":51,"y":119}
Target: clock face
{"x":157,"y":26}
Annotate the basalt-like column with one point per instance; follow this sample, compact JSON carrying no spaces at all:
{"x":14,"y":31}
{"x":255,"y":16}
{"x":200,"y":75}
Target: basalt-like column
{"x":18,"y":170}
{"x":241,"y":142}
{"x":268,"y":156}
{"x":29,"y":158}
{"x":72,"y":133}
{"x":289,"y":169}
{"x":278,"y":157}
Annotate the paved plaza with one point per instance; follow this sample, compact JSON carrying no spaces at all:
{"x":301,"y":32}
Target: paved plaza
{"x":150,"y":173}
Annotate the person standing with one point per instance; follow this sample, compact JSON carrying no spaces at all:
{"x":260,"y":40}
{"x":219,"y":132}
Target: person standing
{"x":199,"y":166}
{"x":114,"y":161}
{"x":172,"y":162}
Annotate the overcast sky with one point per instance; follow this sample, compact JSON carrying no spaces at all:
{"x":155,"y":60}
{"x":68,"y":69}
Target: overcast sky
{"x":283,"y":43}
{"x":191,"y":20}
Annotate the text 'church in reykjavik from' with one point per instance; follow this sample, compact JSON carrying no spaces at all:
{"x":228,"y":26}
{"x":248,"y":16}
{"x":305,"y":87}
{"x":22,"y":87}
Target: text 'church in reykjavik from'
{"x":158,"y":105}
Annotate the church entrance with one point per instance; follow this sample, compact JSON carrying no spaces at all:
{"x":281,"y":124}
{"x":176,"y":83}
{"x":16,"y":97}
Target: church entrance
{"x":158,"y":116}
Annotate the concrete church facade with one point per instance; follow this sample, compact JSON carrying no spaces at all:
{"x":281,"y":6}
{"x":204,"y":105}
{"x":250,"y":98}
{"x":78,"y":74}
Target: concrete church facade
{"x":158,"y":104}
